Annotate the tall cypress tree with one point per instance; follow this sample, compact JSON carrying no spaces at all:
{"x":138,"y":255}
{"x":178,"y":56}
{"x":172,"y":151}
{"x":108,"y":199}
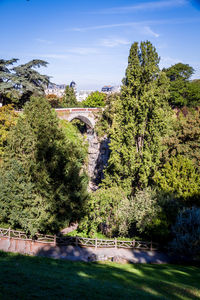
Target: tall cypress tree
{"x":139,"y":122}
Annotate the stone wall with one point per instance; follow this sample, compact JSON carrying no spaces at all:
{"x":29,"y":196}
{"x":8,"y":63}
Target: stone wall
{"x":22,"y":246}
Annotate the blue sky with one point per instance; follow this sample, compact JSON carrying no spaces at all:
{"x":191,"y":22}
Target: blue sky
{"x":89,"y":41}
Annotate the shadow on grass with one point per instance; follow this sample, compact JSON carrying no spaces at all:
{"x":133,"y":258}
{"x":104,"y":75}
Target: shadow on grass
{"x":25,"y":277}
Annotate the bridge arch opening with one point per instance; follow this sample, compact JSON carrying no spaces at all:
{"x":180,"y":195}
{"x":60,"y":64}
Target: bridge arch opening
{"x":83,"y":124}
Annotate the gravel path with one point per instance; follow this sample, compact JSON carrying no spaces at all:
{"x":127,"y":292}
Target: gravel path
{"x":103,"y":254}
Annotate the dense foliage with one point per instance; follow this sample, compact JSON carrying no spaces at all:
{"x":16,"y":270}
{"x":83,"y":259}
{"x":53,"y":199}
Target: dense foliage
{"x":180,"y":176}
{"x":42,"y":184}
{"x":182,"y":91}
{"x":105,"y":117}
{"x":69,"y":98}
{"x":18,"y":84}
{"x":155,"y":151}
{"x":95,"y":99}
{"x":7,"y":120}
{"x":104,"y":211}
{"x":54,"y":100}
{"x":151,"y":184}
{"x":184,"y":137}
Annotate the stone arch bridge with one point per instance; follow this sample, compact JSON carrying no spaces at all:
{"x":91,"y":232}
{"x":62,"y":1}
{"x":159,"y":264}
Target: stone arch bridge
{"x":98,"y":151}
{"x":86,"y":115}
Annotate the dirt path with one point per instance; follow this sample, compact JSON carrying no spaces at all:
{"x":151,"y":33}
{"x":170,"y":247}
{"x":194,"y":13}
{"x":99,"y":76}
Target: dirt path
{"x":102,"y":254}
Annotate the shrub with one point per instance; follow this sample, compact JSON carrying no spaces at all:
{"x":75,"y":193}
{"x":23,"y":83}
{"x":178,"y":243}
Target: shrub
{"x":146,"y":215}
{"x":181,"y":177}
{"x":104,"y":211}
{"x":187,"y":232}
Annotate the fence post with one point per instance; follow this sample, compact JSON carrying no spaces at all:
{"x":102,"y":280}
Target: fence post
{"x":115,"y":243}
{"x":95,"y":243}
{"x":133,"y":243}
{"x":8,"y":239}
{"x":54,"y":240}
{"x":151,"y":247}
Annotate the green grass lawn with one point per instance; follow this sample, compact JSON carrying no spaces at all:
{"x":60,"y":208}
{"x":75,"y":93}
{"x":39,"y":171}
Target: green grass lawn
{"x":26,"y":277}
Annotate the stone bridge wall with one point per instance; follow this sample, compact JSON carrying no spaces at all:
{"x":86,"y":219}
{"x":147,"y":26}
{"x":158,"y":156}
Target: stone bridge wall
{"x":87,"y":115}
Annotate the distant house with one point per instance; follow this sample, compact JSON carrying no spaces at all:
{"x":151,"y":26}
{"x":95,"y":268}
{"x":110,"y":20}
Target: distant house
{"x":108,"y":89}
{"x":55,"y":89}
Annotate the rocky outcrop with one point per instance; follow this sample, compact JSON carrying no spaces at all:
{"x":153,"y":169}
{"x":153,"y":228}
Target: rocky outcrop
{"x":98,"y":154}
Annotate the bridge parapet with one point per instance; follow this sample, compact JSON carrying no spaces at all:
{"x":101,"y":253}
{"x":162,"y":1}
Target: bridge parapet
{"x":83,"y":109}
{"x":85,"y":114}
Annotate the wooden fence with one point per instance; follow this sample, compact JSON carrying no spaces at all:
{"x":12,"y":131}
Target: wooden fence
{"x":79,"y":241}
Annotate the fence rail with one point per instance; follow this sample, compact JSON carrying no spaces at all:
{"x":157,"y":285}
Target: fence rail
{"x":79,"y":241}
{"x":19,"y":235}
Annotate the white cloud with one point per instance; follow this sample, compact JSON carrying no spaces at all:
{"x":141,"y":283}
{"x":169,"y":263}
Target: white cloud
{"x":136,"y":24}
{"x":43,"y":41}
{"x":148,"y":31}
{"x":113,"y":42}
{"x":153,"y":5}
{"x":69,"y":53}
{"x":104,"y":26}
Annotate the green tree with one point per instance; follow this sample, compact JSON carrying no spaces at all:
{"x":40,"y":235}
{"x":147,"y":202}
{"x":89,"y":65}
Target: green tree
{"x":6,"y":84}
{"x":19,"y":83}
{"x":7,"y":120}
{"x":69,"y":98}
{"x":41,"y":181}
{"x":28,"y":81}
{"x":179,"y":75}
{"x":184,"y":138}
{"x":140,"y":121}
{"x":180,"y":177}
{"x":103,"y":210}
{"x":146,"y":215}
{"x":95,"y":99}
{"x":105,"y":117}
{"x":193,"y":93}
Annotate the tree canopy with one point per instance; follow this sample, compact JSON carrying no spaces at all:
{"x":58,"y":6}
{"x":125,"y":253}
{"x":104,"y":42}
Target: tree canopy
{"x":181,"y":177}
{"x":95,"y":99}
{"x":184,"y":137}
{"x":18,"y":84}
{"x":183,"y":92}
